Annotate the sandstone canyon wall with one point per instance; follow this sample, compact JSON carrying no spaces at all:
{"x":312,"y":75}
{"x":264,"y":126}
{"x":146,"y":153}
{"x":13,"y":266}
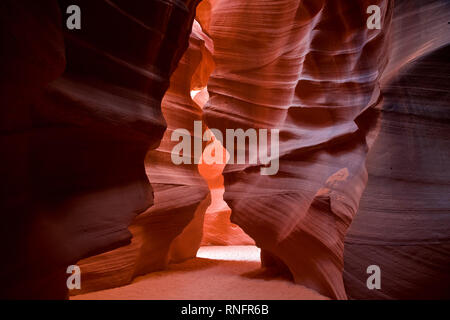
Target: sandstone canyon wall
{"x":402,"y":224}
{"x":316,"y":74}
{"x":311,"y":74}
{"x":171,"y":230}
{"x":363,"y":141}
{"x":178,"y":223}
{"x":80,"y":110}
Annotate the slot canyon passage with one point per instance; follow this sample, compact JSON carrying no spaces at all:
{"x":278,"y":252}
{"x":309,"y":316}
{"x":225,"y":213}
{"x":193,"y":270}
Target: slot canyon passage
{"x":87,"y":121}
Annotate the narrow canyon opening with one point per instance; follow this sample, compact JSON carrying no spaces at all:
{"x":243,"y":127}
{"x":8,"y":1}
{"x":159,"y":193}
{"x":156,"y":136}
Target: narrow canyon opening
{"x":222,"y":239}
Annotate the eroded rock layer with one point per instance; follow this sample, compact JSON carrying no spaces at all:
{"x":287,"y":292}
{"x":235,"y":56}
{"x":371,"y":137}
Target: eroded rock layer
{"x":80,"y":110}
{"x":83,"y":113}
{"x":309,"y":69}
{"x":171,"y":230}
{"x":313,"y":70}
{"x":403,"y":223}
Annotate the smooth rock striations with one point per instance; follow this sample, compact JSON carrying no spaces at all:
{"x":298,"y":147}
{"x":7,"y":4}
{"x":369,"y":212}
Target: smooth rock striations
{"x":403,"y":223}
{"x":83,"y":113}
{"x":313,"y":70}
{"x":80,"y":110}
{"x":171,"y":230}
{"x":309,"y":69}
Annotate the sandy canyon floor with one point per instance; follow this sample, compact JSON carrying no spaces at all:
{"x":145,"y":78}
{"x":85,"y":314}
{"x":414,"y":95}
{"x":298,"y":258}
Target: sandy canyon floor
{"x":218,"y":272}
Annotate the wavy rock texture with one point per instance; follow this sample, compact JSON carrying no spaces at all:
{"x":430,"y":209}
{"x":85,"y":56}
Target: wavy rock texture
{"x":315,"y":74}
{"x":403,"y":221}
{"x":187,"y":210}
{"x":310,"y":74}
{"x":312,"y":70}
{"x":82,"y":110}
{"x":171,"y":230}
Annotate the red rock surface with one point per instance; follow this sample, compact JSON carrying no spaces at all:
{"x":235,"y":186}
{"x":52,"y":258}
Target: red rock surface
{"x":82,"y":110}
{"x":310,"y":74}
{"x":363,"y":120}
{"x":315,"y":74}
{"x":402,"y":224}
{"x":172,"y":230}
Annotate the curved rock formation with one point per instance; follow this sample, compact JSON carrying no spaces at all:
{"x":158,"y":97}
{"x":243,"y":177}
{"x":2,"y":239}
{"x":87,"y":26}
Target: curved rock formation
{"x":171,"y":230}
{"x":403,"y":221}
{"x":310,"y":75}
{"x":83,"y":109}
{"x":363,"y":141}
{"x":315,"y":74}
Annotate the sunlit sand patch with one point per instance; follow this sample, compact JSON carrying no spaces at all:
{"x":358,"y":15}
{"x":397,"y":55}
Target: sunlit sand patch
{"x":230,"y":253}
